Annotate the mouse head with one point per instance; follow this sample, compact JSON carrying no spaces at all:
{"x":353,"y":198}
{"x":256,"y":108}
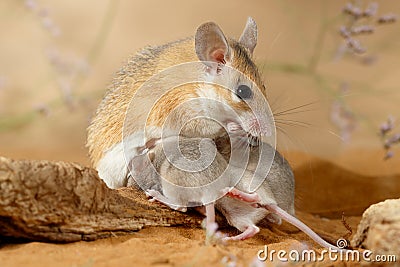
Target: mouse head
{"x":225,"y":89}
{"x":229,"y":62}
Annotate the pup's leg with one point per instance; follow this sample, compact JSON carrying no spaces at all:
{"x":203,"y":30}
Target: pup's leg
{"x":274,"y":209}
{"x":241,"y":215}
{"x":246,"y":197}
{"x":155,"y":195}
{"x":210,"y":217}
{"x":250,"y":231}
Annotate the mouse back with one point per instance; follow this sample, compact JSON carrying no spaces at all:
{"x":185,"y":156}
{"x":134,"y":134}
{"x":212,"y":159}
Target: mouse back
{"x":187,"y":173}
{"x":281,"y":182}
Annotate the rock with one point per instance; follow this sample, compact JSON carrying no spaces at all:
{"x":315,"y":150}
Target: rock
{"x":379,"y":229}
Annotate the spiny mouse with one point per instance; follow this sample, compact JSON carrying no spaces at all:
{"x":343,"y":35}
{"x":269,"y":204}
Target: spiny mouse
{"x":220,"y":55}
{"x":107,"y":141}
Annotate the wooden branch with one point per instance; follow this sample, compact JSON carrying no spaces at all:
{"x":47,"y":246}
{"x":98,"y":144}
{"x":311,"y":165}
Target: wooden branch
{"x":66,"y":202}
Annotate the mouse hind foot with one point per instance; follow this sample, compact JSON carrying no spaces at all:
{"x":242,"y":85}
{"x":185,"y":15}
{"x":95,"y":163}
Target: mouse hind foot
{"x":273,"y":218}
{"x":249,"y":232}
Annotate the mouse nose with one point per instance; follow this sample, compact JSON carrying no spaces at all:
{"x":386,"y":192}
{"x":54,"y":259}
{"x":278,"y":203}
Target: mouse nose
{"x":260,"y":126}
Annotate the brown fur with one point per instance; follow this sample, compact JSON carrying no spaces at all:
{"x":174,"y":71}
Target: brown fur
{"x":107,"y":125}
{"x":169,"y":102}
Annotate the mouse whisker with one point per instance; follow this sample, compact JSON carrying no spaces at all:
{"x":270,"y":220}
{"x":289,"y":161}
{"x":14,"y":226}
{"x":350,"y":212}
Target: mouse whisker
{"x":284,"y":112}
{"x":293,"y":123}
{"x":293,"y":112}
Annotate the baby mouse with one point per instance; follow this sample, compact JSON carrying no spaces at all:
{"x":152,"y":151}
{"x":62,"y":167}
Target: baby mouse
{"x":178,"y":185}
{"x":273,"y":200}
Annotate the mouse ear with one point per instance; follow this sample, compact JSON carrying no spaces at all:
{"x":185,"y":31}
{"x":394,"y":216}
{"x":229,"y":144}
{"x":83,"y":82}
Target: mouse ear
{"x":249,"y":36}
{"x":211,"y":44}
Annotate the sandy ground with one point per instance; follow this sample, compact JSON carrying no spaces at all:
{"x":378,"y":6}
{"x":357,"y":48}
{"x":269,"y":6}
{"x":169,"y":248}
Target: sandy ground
{"x":164,"y":247}
{"x":332,"y":176}
{"x":321,"y":198}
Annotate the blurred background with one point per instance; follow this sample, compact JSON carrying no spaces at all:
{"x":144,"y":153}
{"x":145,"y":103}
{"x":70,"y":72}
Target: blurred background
{"x":331,"y":67}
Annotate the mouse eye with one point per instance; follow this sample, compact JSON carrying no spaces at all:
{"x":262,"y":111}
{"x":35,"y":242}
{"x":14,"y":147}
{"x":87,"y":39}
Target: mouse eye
{"x":244,"y":92}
